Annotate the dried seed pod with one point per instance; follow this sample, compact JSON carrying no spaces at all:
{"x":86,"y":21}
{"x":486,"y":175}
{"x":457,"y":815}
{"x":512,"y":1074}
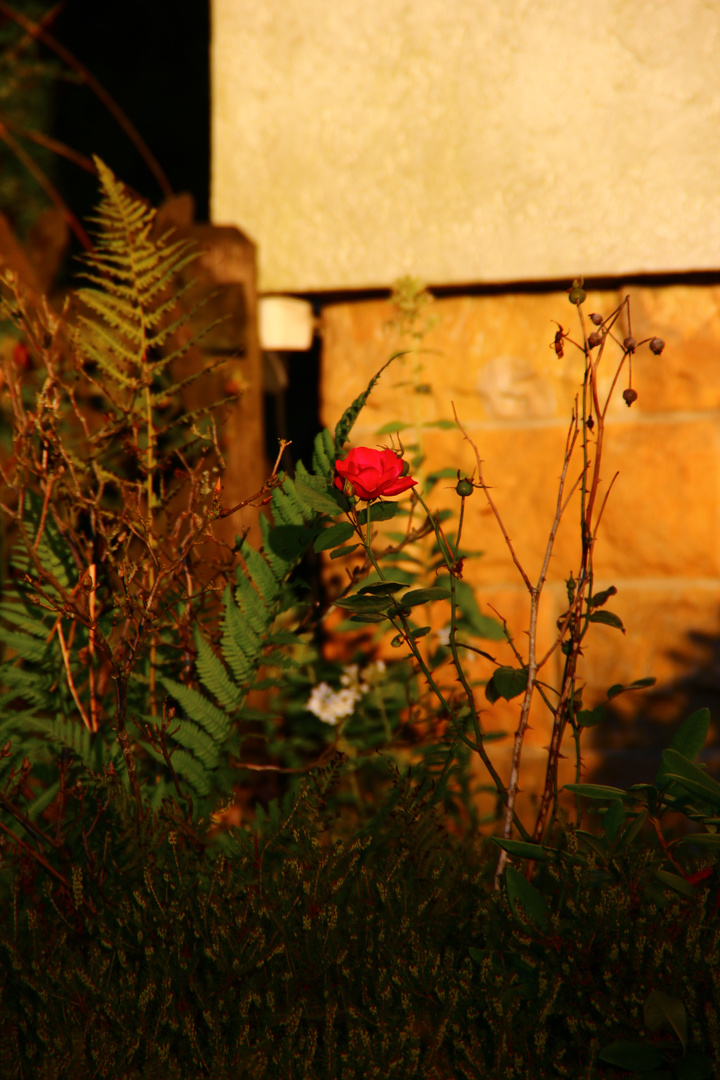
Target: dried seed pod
{"x":657,"y":345}
{"x":629,"y":344}
{"x":594,"y":339}
{"x":597,"y":319}
{"x":629,"y":396}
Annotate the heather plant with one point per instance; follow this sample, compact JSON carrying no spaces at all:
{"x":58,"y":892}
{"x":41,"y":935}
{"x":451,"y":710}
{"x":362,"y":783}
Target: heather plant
{"x":140,"y":950}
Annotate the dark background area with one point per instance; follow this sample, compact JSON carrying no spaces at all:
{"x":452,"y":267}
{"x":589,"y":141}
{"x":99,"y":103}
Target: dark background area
{"x":152,"y":56}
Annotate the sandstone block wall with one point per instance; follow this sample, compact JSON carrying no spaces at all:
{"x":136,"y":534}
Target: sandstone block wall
{"x":660,"y":538}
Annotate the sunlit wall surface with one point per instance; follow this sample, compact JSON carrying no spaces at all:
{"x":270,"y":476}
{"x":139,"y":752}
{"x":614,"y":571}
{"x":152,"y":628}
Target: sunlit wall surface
{"x":467,"y":140}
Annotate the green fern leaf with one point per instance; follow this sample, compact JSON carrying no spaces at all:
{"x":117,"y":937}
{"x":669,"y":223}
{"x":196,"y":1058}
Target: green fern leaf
{"x":278,"y":563}
{"x":323,"y":458}
{"x":239,"y":648}
{"x":252,"y":607}
{"x":260,"y":573}
{"x":348,"y":418}
{"x":126,"y":309}
{"x":214,"y":675}
{"x":286,"y":508}
{"x":191,"y":737}
{"x":190,"y":769}
{"x":26,"y":646}
{"x":63,"y":733}
{"x":51,"y":551}
{"x":31,"y":686}
{"x":28,"y":619}
{"x":211,"y":719}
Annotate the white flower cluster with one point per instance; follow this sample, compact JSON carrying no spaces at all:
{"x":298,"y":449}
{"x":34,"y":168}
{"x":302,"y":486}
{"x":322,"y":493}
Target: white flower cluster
{"x":330,"y":705}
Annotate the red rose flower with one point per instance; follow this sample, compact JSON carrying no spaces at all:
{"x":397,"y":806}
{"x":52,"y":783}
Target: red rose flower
{"x":372,"y":474}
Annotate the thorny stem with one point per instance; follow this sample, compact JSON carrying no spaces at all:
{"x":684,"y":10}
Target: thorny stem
{"x":405,"y":629}
{"x":535,"y":591}
{"x":590,"y":481}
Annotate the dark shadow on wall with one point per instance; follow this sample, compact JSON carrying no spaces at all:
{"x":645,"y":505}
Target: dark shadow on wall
{"x":633,"y":735}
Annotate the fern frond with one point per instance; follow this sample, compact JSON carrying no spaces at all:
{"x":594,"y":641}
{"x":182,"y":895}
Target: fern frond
{"x":323,"y":458}
{"x":214,"y":676}
{"x":129,"y":299}
{"x":63,"y":733}
{"x":206,"y":715}
{"x":51,"y":551}
{"x":286,"y":508}
{"x":348,"y":418}
{"x":279,"y":566}
{"x":240,"y":646}
{"x":24,"y":645}
{"x":257,"y":614}
{"x":22,"y":618}
{"x":189,"y":735}
{"x":182,"y":384}
{"x":189,"y":768}
{"x":258,"y":570}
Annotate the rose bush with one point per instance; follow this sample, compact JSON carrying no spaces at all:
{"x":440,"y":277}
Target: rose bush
{"x":372,"y":474}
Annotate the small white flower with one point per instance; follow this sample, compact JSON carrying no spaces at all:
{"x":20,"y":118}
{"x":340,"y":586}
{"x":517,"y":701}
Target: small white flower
{"x":443,"y":635}
{"x":331,"y":705}
{"x":349,"y":676}
{"x":372,"y":675}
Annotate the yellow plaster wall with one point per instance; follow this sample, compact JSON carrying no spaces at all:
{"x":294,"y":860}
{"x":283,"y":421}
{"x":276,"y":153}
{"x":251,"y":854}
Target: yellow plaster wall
{"x":466,"y":140}
{"x":660,"y":537}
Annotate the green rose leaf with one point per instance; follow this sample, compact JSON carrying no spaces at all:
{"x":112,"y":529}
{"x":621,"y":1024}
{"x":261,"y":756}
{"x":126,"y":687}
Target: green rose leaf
{"x":678,"y":769}
{"x":661,"y":1008}
{"x":596,"y":791}
{"x":378,"y":511}
{"x":590,"y":717}
{"x":674,"y":881}
{"x":607,"y":618}
{"x":423,"y":596}
{"x":392,"y":427}
{"x":382,"y":588}
{"x":522,"y":895}
{"x":637,"y":684}
{"x":339,"y":552}
{"x":613,"y":819}
{"x":522,"y":849}
{"x":364,"y":604}
{"x":688,"y":740}
{"x":602,"y":597}
{"x":335,"y":535}
{"x":506,"y":682}
{"x":638,"y":1056}
{"x":318,"y":498}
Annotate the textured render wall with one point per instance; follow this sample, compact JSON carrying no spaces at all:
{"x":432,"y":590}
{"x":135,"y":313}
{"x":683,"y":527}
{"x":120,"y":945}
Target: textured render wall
{"x":660,"y":537}
{"x":467,"y":140}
